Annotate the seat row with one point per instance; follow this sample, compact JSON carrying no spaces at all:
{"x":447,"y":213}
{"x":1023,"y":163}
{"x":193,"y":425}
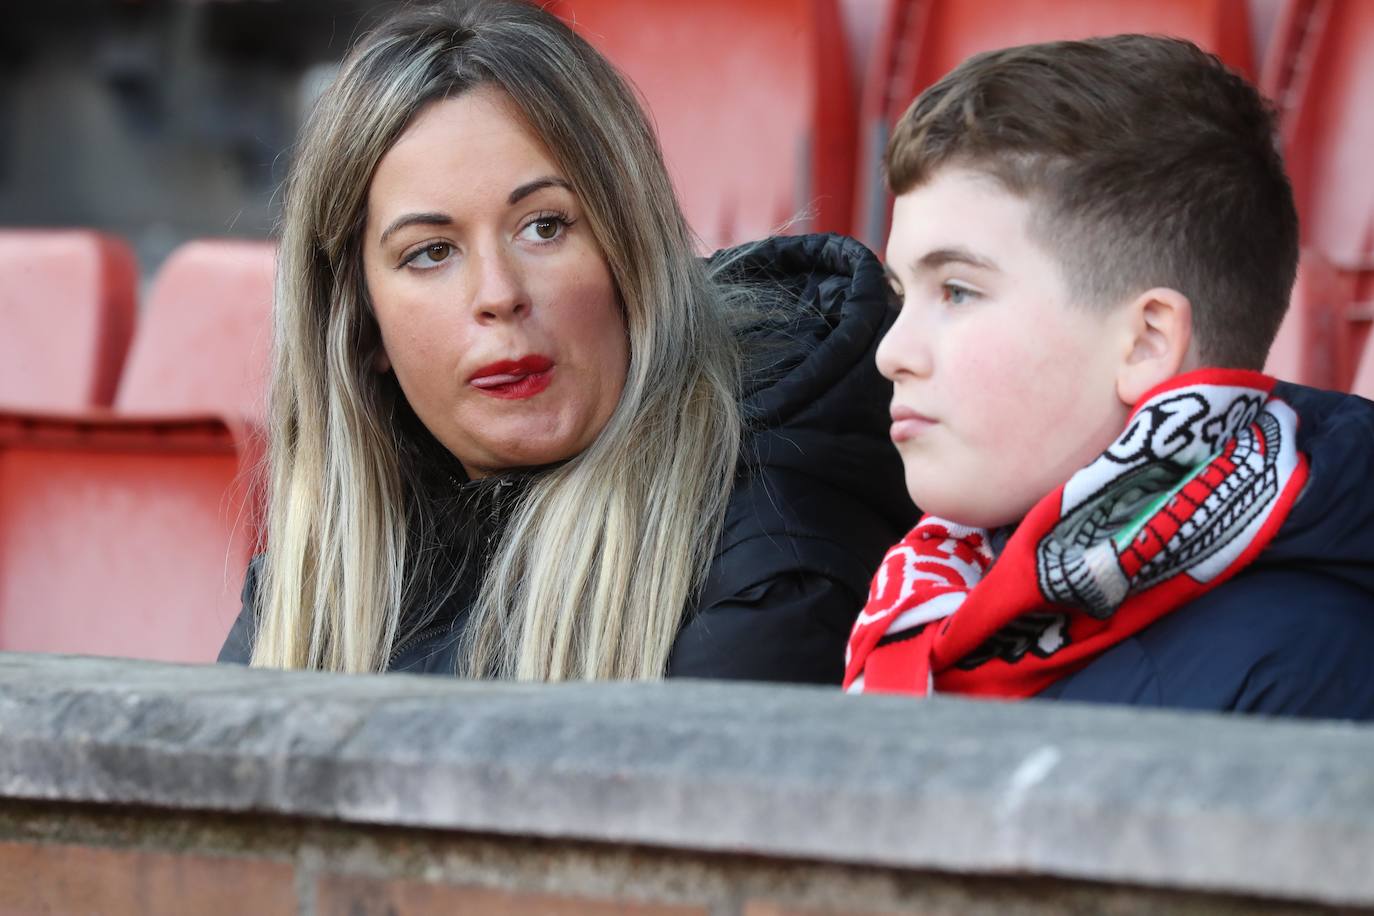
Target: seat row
{"x":756,"y":117}
{"x":128,"y":443}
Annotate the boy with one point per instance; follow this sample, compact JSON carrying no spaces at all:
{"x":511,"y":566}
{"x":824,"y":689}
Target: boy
{"x":1094,"y":243}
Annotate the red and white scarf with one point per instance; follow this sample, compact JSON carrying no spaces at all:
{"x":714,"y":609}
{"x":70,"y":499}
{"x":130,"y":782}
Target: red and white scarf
{"x":1197,"y":485}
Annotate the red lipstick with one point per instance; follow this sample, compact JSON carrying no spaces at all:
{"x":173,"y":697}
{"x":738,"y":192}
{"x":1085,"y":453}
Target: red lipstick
{"x":908,"y":424}
{"x":514,"y":379}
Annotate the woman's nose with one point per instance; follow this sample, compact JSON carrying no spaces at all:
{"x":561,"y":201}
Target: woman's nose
{"x":905,"y":349}
{"x":500,"y":292}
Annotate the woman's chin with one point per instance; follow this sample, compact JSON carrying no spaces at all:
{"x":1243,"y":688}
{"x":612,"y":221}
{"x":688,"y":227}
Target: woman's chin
{"x":498,"y":441}
{"x":515,"y":456}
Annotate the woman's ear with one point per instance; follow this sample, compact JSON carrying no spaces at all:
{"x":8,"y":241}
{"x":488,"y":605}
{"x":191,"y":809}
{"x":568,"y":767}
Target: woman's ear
{"x":381,"y":362}
{"x":1159,"y":334}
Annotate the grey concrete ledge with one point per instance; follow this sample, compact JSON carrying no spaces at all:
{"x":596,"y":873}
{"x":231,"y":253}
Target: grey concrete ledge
{"x":1191,"y":802}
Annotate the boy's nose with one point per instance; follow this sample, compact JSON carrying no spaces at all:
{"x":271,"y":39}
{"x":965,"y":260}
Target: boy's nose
{"x":905,"y":349}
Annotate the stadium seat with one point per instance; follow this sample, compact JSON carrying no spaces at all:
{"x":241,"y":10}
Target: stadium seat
{"x":1304,"y":350}
{"x":67,"y":310}
{"x":1320,"y":72}
{"x":127,"y":533}
{"x":752,"y":102}
{"x":119,"y":538}
{"x":922,"y":40}
{"x":1363,"y":383}
{"x":1264,"y":18}
{"x":202,"y":347}
{"x":862,"y":21}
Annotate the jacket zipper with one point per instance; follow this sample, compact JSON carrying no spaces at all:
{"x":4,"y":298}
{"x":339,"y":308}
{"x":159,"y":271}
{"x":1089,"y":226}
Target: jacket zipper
{"x":415,"y":640}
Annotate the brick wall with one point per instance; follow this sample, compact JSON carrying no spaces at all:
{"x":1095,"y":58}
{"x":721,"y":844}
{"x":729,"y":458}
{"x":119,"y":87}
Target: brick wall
{"x":88,"y":859}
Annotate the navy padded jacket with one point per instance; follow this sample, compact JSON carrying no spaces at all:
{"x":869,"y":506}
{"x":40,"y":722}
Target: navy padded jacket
{"x":1293,"y":633}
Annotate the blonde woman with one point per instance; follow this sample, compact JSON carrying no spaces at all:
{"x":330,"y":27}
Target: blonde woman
{"x":517,"y":429}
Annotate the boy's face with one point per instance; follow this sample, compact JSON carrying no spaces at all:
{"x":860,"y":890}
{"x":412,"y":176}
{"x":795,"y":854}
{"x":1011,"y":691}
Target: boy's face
{"x":1001,"y":388}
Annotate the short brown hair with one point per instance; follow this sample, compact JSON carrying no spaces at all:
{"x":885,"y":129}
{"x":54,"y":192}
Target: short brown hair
{"x":1151,"y":164}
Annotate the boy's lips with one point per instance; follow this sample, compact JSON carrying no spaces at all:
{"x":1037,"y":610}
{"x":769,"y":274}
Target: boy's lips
{"x":908,"y":424}
{"x":514,"y":378}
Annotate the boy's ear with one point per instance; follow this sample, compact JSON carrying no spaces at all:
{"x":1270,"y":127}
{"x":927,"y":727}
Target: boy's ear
{"x":1159,"y":342}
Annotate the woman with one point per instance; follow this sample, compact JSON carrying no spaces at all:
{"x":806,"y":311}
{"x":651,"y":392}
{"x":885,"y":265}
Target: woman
{"x":517,"y":428}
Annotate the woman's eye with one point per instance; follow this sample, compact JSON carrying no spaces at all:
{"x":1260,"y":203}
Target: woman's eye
{"x":544,"y":229}
{"x":956,"y":294}
{"x":430,"y":255}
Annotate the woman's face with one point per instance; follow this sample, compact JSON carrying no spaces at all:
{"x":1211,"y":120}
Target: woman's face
{"x":497,"y":309}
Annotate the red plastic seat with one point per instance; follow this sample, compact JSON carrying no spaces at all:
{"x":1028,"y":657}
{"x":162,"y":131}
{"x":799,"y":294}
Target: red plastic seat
{"x":863,"y":20}
{"x":1320,"y":72}
{"x":128,"y":533}
{"x":924,"y":39}
{"x":67,"y":311}
{"x":205,"y":337}
{"x":119,"y":538}
{"x":1303,"y":350}
{"x":1363,"y":383}
{"x":752,"y":103}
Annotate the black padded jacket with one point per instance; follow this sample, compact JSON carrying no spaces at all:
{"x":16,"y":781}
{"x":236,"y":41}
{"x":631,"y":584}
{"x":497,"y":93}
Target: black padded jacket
{"x":819,"y":495}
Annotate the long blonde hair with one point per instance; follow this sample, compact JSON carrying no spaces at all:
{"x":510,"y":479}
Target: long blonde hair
{"x":601,"y":554}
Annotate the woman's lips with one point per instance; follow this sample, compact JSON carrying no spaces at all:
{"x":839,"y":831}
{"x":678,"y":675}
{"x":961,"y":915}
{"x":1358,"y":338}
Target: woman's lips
{"x":514,"y":379}
{"x":907,"y":424}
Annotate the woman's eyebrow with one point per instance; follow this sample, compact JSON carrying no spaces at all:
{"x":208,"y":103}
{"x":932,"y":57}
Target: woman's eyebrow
{"x":443,"y":219}
{"x":539,"y":184}
{"x":411,"y":219}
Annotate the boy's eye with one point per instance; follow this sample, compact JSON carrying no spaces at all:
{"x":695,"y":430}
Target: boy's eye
{"x":893,"y":283}
{"x":429,"y":256}
{"x":957,"y":294}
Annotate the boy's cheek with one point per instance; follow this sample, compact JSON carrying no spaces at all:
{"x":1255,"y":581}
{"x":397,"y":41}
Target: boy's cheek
{"x":999,"y":450}
{"x":944,"y":479}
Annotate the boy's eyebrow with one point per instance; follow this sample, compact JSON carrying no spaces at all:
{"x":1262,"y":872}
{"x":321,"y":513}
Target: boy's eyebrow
{"x":942,"y":256}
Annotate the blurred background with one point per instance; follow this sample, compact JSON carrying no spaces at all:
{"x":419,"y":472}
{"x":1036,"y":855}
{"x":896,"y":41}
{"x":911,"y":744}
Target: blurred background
{"x":143,"y":144}
{"x":159,"y":120}
{"x":165,"y":120}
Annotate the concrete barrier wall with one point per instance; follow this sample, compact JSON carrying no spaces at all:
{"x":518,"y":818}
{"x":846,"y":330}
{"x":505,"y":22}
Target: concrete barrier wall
{"x":140,"y":788}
